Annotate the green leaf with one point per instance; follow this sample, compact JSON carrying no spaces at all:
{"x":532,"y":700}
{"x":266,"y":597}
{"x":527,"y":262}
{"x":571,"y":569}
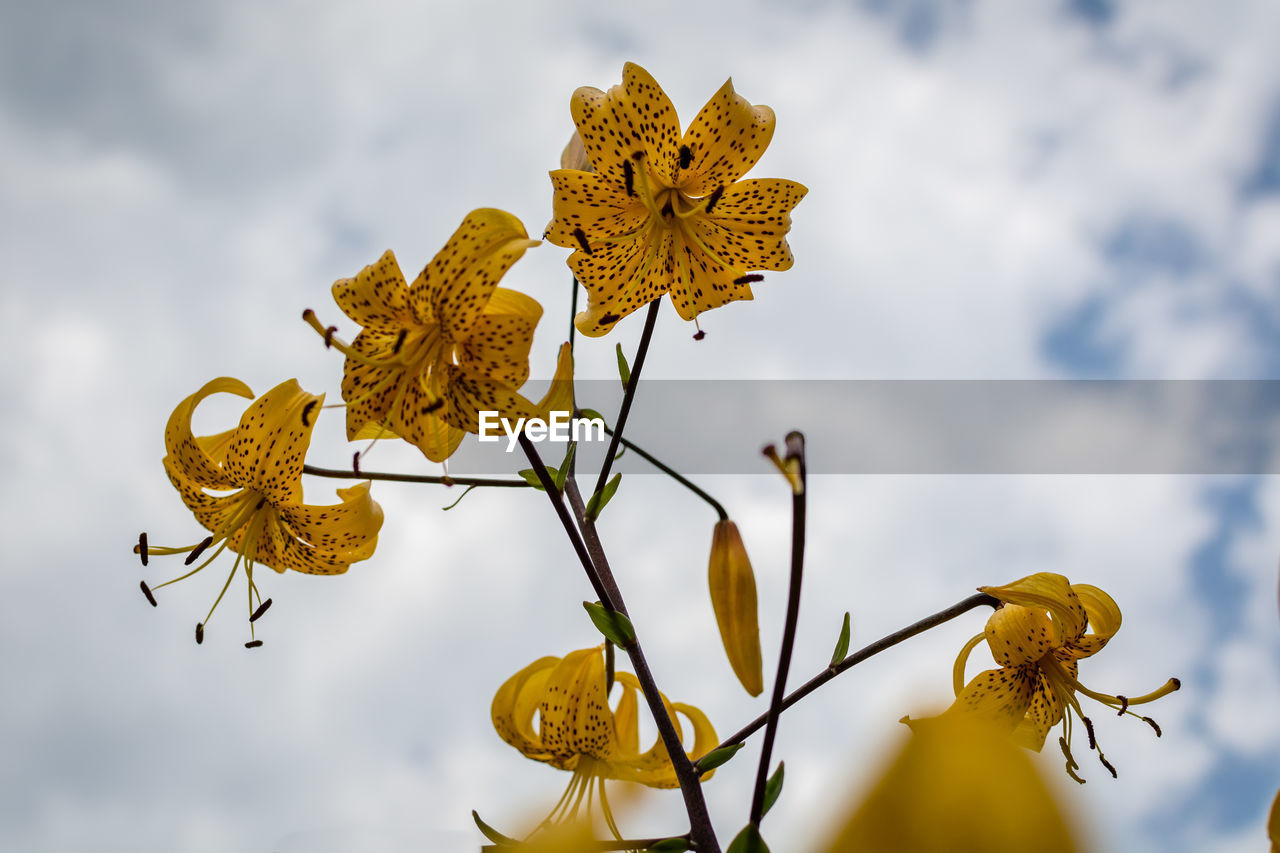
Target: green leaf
{"x":669,"y":845}
{"x":531,"y":477}
{"x":624,"y":371}
{"x":601,"y":499}
{"x":773,"y":788}
{"x":466,"y":492}
{"x":842,"y":644}
{"x":716,"y":757}
{"x":591,"y":415}
{"x":615,"y":626}
{"x":493,"y":834}
{"x":562,"y":473}
{"x":748,"y":841}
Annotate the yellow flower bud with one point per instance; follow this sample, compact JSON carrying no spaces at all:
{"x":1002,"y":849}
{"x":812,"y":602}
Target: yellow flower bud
{"x":575,"y":156}
{"x":733,"y":595}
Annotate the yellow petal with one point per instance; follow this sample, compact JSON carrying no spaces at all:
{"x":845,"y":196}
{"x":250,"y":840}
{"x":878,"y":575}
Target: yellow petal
{"x":559,"y":397}
{"x":214,"y":512}
{"x":1002,"y":695}
{"x":748,"y":226}
{"x":702,"y":282}
{"x":349,"y":529}
{"x":499,"y":343}
{"x":590,"y":203}
{"x":1273,"y":825}
{"x":726,"y":139}
{"x":1104,"y":619}
{"x":574,"y":712}
{"x":183,"y":451}
{"x":1019,"y":635}
{"x":418,"y":421}
{"x":515,"y":704}
{"x":1044,"y":713}
{"x":621,"y":278}
{"x":1046,"y":591}
{"x":267,"y":451}
{"x":377,"y":296}
{"x":957,"y":786}
{"x":733,"y":597}
{"x":636,"y":117}
{"x":370,"y":390}
{"x":455,"y":287}
{"x":574,"y":155}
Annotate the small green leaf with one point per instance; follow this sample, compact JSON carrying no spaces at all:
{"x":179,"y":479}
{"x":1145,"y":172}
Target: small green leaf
{"x":590,"y":414}
{"x":669,"y":845}
{"x":562,"y":473}
{"x":842,"y":644}
{"x":493,"y":834}
{"x":624,"y":371}
{"x":601,"y":499}
{"x":466,"y":492}
{"x":716,"y":757}
{"x":773,"y":788}
{"x":748,"y":841}
{"x":615,"y":626}
{"x":531,"y":477}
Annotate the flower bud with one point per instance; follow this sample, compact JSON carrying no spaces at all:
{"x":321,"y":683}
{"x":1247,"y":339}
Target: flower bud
{"x":733,"y":596}
{"x":575,"y":156}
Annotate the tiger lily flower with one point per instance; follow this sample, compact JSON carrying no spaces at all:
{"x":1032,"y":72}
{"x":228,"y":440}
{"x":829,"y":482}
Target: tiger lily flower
{"x":1038,"y":636}
{"x":261,"y":516}
{"x":665,"y":212}
{"x":434,"y":354}
{"x":577,"y":731}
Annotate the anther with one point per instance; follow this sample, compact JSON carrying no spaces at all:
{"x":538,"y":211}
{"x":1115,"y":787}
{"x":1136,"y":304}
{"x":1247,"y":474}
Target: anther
{"x":1088,"y":727}
{"x":198,"y":550}
{"x":395,"y":350}
{"x":581,"y":237}
{"x":1107,"y":764}
{"x":749,"y":279}
{"x":262,"y":608}
{"x":328,"y":336}
{"x":1124,"y":704}
{"x":253,"y":644}
{"x":146,"y":590}
{"x":629,"y":177}
{"x":1066,"y":751}
{"x":1153,"y":724}
{"x":199,"y":633}
{"x":686,"y":156}
{"x":142,"y":547}
{"x":355,"y":462}
{"x":433,"y":406}
{"x":306,"y":413}
{"x":699,"y":335}
{"x":714,"y":198}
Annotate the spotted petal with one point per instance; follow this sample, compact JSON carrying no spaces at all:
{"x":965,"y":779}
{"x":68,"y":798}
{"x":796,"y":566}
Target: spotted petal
{"x":726,"y":139}
{"x":1019,"y":635}
{"x":574,"y":713}
{"x":267,"y":451}
{"x":377,"y":297}
{"x":1047,"y":591}
{"x":594,"y":205}
{"x":185,"y":453}
{"x":1104,"y":620}
{"x":1003,"y":695}
{"x":515,"y":704}
{"x":636,"y":117}
{"x":499,"y":343}
{"x":349,"y":528}
{"x":748,"y":226}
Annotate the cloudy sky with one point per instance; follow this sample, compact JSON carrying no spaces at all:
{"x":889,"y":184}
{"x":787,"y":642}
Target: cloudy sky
{"x":998,"y":190}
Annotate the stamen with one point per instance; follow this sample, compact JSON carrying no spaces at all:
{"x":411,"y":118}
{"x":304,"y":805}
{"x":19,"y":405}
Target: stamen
{"x":1066,"y":751}
{"x":306,"y":412}
{"x":198,"y":550}
{"x":262,"y":608}
{"x":581,"y":237}
{"x":686,"y":156}
{"x":146,"y":590}
{"x":699,"y":335}
{"x":1107,"y":764}
{"x":199,"y":633}
{"x":749,"y":279}
{"x":355,"y":462}
{"x":329,"y":332}
{"x":1088,"y":727}
{"x":1153,"y":724}
{"x":629,"y":177}
{"x":404,"y":333}
{"x":1124,"y":705}
{"x":142,"y":547}
{"x":713,"y":199}
{"x":253,"y":644}
{"x":667,"y":209}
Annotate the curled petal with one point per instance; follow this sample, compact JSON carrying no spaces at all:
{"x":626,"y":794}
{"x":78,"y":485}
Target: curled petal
{"x":726,"y":139}
{"x":574,"y":713}
{"x":1019,"y":635}
{"x":267,"y":450}
{"x":349,"y":529}
{"x":186,"y":453}
{"x":515,"y":704}
{"x":1104,"y":619}
{"x":499,"y":343}
{"x":377,"y":296}
{"x":1046,"y":591}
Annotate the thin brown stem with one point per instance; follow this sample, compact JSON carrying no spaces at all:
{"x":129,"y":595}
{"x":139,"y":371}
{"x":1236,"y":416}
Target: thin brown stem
{"x":412,"y":478}
{"x":650,"y":318}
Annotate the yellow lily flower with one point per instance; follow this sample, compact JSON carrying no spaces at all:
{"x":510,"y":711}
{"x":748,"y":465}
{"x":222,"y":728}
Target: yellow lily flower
{"x":958,"y":786}
{"x":434,"y":354}
{"x":262,"y":517}
{"x":733,"y":597}
{"x":664,"y":212}
{"x":1038,"y":636}
{"x":577,"y":730}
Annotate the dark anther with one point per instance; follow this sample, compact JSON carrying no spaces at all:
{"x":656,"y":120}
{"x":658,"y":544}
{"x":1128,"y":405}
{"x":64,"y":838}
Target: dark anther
{"x":581,"y":237}
{"x":142,"y":547}
{"x":1107,"y":764}
{"x":1124,"y":705}
{"x":1153,"y":724}
{"x":434,"y":405}
{"x":1088,"y":727}
{"x":628,"y":177}
{"x":253,"y":644}
{"x":328,"y":336}
{"x":749,"y":279}
{"x":262,"y":608}
{"x":146,"y":590}
{"x":395,"y":350}
{"x":699,"y":335}
{"x":307,"y":314}
{"x":714,"y":198}
{"x":686,"y":156}
{"x":306,"y":412}
{"x":260,"y":504}
{"x":1177,"y":683}
{"x":199,"y":633}
{"x":355,"y":462}
{"x":198,"y":550}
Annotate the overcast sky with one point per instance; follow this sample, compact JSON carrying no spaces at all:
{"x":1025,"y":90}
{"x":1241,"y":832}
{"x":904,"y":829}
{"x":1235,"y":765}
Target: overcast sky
{"x":998,"y":190}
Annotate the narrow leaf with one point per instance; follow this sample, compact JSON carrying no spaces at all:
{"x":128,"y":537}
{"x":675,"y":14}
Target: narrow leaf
{"x":493,"y":834}
{"x":562,"y":473}
{"x":591,"y":415}
{"x":466,"y":492}
{"x":716,"y":757}
{"x":624,"y":371}
{"x":842,"y":644}
{"x":748,"y":841}
{"x":531,"y":477}
{"x":600,"y":499}
{"x":773,"y":788}
{"x":615,"y":626}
